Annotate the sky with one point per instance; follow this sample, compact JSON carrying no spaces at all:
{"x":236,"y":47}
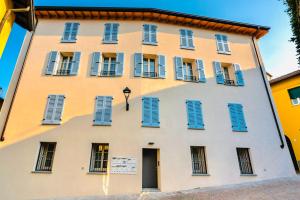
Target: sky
{"x":278,"y":53}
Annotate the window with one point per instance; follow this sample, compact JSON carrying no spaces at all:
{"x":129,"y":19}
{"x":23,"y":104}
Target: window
{"x":237,"y":118}
{"x":194,"y":114}
{"x":103,"y":110}
{"x":99,"y":158}
{"x":70,"y":32}
{"x":222,"y":44}
{"x":107,"y":64}
{"x":189,"y":69}
{"x":198,"y":160}
{"x":63,"y":63}
{"x":149,"y":65}
{"x":294,"y":94}
{"x":149,"y":35}
{"x":150,"y":112}
{"x":228,"y":74}
{"x":111,"y":33}
{"x":46,"y":155}
{"x":186,"y":39}
{"x":54,"y":109}
{"x":244,"y":160}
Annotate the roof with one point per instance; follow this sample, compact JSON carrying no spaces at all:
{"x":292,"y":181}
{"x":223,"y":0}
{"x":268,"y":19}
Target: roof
{"x":152,"y":14}
{"x":24,"y":19}
{"x":284,"y":77}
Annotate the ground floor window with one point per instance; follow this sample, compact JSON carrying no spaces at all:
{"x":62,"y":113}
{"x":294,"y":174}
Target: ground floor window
{"x":198,"y":160}
{"x":99,"y":158}
{"x":45,"y":158}
{"x":244,"y":160}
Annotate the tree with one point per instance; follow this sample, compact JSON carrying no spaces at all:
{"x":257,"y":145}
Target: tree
{"x":293,"y":10}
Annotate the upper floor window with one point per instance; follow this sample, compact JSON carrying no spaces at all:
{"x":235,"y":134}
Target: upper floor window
{"x":228,"y":74}
{"x":45,"y":157}
{"x":111,"y":33}
{"x":189,"y":69}
{"x":70,"y":32}
{"x":294,"y":94}
{"x":150,"y":112}
{"x":238,"y":122}
{"x":54,"y":109}
{"x":198,"y":160}
{"x":103,"y":110}
{"x":186,"y":39}
{"x":99,"y":158}
{"x":149,"y":65}
{"x":107,"y":64}
{"x":194,"y":114}
{"x":149,"y":34}
{"x":63,"y":63}
{"x":244,"y":161}
{"x":222,"y":44}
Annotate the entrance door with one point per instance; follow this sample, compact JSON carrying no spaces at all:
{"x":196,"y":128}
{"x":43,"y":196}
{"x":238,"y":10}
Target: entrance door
{"x":149,"y":168}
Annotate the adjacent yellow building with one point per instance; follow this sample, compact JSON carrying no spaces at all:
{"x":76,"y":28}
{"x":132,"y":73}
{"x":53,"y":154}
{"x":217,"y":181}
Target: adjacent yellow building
{"x":286,"y":93}
{"x":5,"y":5}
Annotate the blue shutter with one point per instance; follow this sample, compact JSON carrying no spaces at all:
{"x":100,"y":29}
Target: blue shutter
{"x":67,"y":32}
{"x":178,"y":68}
{"x":153,"y":29}
{"x":194,"y":114}
{"x":218,"y":72}
{"x":75,"y":63}
{"x":52,"y":62}
{"x":150,"y":112}
{"x":225,"y":43}
{"x":120,"y":64}
{"x":138,"y":62}
{"x":190,"y":39}
{"x":103,"y":110}
{"x":107,"y":32}
{"x":155,"y":112}
{"x":219,"y":42}
{"x":237,"y":117}
{"x":54,"y":109}
{"x":239,"y":75}
{"x":183,"y":38}
{"x":70,"y":32}
{"x":200,"y":69}
{"x":96,"y":57}
{"x":74,"y":31}
{"x":162,"y":66}
{"x":115,"y":30}
{"x":146,"y":36}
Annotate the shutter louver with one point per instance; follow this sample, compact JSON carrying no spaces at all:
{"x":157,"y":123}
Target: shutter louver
{"x":138,"y":62}
{"x":54,"y":109}
{"x":52,"y":63}
{"x":150,"y":113}
{"x":239,"y":75}
{"x":237,"y":117}
{"x":119,"y":64}
{"x":75,"y":63}
{"x":96,"y":57}
{"x":194,"y":114}
{"x":178,"y":68}
{"x":103,"y":110}
{"x":218,"y":72}
{"x":161,"y":66}
{"x":200,"y":69}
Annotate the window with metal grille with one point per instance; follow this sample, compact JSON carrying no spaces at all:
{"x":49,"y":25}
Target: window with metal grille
{"x":99,"y":158}
{"x":65,"y":65}
{"x":149,"y":68}
{"x":244,"y":160}
{"x":198,"y":160}
{"x":109,"y":66}
{"x":46,"y":155}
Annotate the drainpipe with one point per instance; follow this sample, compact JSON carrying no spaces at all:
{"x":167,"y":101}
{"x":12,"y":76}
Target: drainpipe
{"x":267,"y":89}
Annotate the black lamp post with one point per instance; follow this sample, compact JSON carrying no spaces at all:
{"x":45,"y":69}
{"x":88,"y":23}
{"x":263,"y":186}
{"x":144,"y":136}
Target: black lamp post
{"x":127,"y":92}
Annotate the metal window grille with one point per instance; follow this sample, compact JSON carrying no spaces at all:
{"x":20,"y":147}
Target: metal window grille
{"x":109,"y":66}
{"x":46,"y":155}
{"x":198,"y":160}
{"x":149,"y":68}
{"x":244,"y":160}
{"x":99,"y":158}
{"x":65,"y":67}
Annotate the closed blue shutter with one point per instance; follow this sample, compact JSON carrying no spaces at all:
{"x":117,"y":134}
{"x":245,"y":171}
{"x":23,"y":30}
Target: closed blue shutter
{"x":161,"y":66}
{"x":103,"y":110}
{"x":120,"y":64}
{"x":52,"y":62}
{"x":107,"y":32}
{"x":194,"y":114}
{"x":218,"y":72}
{"x":146,"y":36}
{"x":183,"y":38}
{"x":115,"y":30}
{"x":70,"y":32}
{"x":190,"y":39}
{"x":225,"y":43}
{"x":150,"y":112}
{"x":111,"y":33}
{"x":75,"y":63}
{"x":239,"y":75}
{"x":54,"y":109}
{"x":67,"y":32}
{"x":237,"y":117}
{"x":96,"y":57}
{"x":219,"y":42}
{"x":74,"y":31}
{"x":138,"y":62}
{"x":153,"y":29}
{"x":178,"y":68}
{"x":200,"y":69}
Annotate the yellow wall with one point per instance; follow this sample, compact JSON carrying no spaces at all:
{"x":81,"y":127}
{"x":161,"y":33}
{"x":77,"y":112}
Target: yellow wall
{"x":4,"y":33}
{"x":288,"y":113}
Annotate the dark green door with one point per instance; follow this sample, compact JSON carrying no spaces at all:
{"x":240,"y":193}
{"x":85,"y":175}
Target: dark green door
{"x":149,"y":168}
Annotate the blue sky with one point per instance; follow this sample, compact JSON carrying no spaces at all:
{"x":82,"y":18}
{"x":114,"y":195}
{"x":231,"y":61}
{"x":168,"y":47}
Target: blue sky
{"x":278,"y":53}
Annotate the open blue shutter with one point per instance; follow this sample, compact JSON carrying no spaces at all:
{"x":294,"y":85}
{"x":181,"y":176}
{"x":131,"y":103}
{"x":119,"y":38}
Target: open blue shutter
{"x":178,"y":68}
{"x":239,"y":75}
{"x":103,"y":110}
{"x":194,"y":114}
{"x":162,"y":66}
{"x":120,"y":64}
{"x":115,"y":30}
{"x":52,"y":62}
{"x":200,"y":69}
{"x":138,"y":62}
{"x":146,"y":112}
{"x":237,"y":117}
{"x":183,"y":38}
{"x":54,"y":109}
{"x":75,"y":63}
{"x":74,"y":31}
{"x":218,"y":72}
{"x":96,"y":57}
{"x":155,"y":112}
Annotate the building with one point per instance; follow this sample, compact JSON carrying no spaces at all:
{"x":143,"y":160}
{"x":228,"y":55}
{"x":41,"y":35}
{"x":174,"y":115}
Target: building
{"x":200,"y":111}
{"x":269,"y":76}
{"x":19,"y":11}
{"x":286,"y":93}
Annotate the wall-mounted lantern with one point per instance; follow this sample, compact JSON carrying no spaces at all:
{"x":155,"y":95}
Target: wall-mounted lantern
{"x":127,"y":92}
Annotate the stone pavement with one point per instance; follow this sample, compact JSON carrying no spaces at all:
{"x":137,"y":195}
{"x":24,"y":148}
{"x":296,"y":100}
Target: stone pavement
{"x":276,"y":189}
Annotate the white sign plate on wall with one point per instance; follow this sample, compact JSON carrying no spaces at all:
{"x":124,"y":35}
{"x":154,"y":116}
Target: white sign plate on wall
{"x":123,"y":165}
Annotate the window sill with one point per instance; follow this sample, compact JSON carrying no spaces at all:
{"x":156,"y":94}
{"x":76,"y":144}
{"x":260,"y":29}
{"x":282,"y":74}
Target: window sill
{"x":50,"y":123}
{"x":96,"y":173}
{"x":200,"y":174}
{"x":251,"y":175}
{"x":224,"y":52}
{"x":149,"y":126}
{"x":187,"y":48}
{"x":101,"y":124}
{"x":110,"y":42}
{"x":110,"y":76}
{"x":41,"y":172}
{"x":68,"y":41}
{"x":150,"y":43}
{"x":194,"y":128}
{"x":238,"y":131}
